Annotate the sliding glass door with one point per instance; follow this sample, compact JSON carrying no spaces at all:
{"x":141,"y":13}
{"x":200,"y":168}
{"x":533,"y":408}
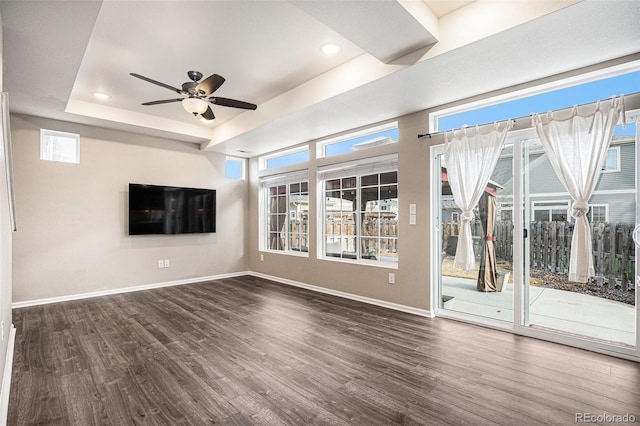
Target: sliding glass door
{"x":487,"y":289}
{"x":604,"y":308}
{"x":522,"y":234}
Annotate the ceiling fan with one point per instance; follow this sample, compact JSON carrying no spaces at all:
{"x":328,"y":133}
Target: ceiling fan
{"x":198,"y":94}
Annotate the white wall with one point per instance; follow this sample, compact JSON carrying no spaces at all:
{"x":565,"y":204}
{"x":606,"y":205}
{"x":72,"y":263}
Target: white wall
{"x":72,"y":219}
{"x":5,"y":255}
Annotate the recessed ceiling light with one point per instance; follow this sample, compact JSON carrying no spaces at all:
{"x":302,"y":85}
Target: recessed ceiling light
{"x":330,"y":48}
{"x":101,"y":95}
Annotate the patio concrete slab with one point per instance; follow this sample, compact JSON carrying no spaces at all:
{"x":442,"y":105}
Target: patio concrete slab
{"x":565,"y":311}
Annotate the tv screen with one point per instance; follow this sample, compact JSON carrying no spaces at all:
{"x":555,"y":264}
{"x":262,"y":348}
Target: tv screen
{"x":171,"y":210}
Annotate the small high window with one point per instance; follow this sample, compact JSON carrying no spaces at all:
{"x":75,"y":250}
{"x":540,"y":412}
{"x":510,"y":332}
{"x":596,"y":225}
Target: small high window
{"x":357,"y":141}
{"x":235,"y":168}
{"x":59,"y":146}
{"x":285,"y":158}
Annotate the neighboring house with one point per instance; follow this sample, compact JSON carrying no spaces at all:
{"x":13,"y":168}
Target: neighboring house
{"x":449,"y":209}
{"x":613,"y":199}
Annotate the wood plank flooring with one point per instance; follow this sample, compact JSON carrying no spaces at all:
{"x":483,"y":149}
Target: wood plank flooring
{"x":247,"y":351}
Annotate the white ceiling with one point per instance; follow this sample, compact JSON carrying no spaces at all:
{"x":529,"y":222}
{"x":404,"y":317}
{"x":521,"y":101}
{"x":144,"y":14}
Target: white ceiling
{"x":397,"y":57}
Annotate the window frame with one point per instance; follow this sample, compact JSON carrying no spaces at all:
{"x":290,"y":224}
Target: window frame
{"x":321,"y":147}
{"x":550,"y":206}
{"x":287,"y":180}
{"x":243,"y":168}
{"x":606,"y":211}
{"x":355,"y":169}
{"x":617,"y":169}
{"x":577,"y":79}
{"x":263,"y":161}
{"x":55,"y":133}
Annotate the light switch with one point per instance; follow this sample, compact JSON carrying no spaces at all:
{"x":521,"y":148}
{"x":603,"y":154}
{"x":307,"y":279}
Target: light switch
{"x":412,"y":219}
{"x":412,"y":209}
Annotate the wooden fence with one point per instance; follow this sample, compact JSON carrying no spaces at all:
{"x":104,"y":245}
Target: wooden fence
{"x":379,"y":234}
{"x":550,"y":248}
{"x":612,"y":245}
{"x":451,"y":229}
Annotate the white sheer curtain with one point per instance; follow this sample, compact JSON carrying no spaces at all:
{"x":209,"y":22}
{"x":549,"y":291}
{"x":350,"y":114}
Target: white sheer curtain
{"x":470,"y":157}
{"x":577,"y":145}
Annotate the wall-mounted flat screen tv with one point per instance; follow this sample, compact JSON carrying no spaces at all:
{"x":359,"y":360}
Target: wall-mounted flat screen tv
{"x":157,"y":209}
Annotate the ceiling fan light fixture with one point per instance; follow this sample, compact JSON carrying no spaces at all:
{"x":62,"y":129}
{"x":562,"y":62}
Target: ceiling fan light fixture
{"x":194,"y":105}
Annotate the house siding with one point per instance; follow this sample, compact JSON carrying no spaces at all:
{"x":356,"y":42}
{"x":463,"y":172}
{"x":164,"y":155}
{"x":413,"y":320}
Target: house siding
{"x":546,"y":187}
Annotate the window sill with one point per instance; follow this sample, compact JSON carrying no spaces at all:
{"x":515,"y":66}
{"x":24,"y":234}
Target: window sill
{"x":361,"y":262}
{"x":287,"y":252}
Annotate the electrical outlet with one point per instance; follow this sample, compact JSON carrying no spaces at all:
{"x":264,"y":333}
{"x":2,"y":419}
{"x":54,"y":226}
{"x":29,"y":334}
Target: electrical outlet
{"x":166,"y":263}
{"x":392,"y":278}
{"x":160,"y":263}
{"x":261,"y":257}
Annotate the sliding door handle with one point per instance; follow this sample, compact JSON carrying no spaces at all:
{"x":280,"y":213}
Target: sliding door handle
{"x":636,"y":236}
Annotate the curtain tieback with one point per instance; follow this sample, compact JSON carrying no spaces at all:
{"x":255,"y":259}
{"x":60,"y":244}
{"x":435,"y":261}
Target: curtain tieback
{"x":489,"y":238}
{"x":467,"y":216}
{"x":579,"y":209}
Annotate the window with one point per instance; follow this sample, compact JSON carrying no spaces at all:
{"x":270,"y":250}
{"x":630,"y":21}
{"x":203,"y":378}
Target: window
{"x":360,"y":208}
{"x":286,"y":213}
{"x":612,"y":162}
{"x":234,"y":168}
{"x":598,"y":213}
{"x":285,"y":158}
{"x":551,"y":211}
{"x":558,"y":95}
{"x":357,"y":141}
{"x":59,"y":146}
{"x":455,"y":217}
{"x":505,"y":211}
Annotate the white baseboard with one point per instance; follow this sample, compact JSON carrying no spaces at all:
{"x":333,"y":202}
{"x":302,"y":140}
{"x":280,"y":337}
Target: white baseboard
{"x":78,"y":296}
{"x":369,"y":300}
{"x":6,"y":377}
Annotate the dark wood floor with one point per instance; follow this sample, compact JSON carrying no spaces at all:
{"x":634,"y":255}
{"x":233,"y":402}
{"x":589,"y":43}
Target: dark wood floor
{"x":247,"y":351}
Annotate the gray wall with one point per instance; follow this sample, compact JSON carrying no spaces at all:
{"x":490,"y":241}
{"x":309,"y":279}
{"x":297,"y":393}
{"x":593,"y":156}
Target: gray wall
{"x":72,"y":218}
{"x":412,"y":276}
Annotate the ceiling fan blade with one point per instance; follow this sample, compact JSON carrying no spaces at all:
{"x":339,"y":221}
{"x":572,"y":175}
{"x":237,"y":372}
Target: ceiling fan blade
{"x":234,"y":103}
{"x":166,"y":86}
{"x":164,"y":101}
{"x":208,"y":114}
{"x":209,"y":85}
